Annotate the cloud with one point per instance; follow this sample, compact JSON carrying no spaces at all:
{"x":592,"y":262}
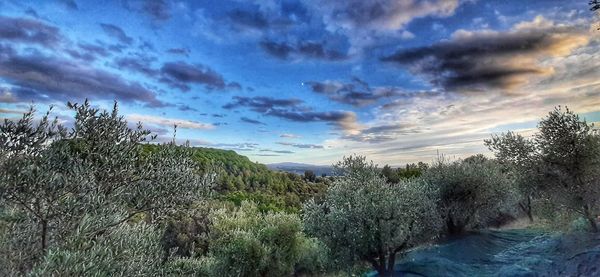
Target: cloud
{"x":45,"y":78}
{"x":244,"y":146}
{"x":116,"y":32}
{"x":300,"y":145}
{"x":380,"y":14}
{"x":169,"y":122}
{"x":356,"y":93}
{"x":293,"y":110}
{"x":181,"y":75}
{"x":261,"y":104}
{"x":278,"y":17}
{"x":302,"y":50}
{"x":368,"y":24}
{"x":157,"y":10}
{"x":180,"y":51}
{"x":70,"y":4}
{"x":30,"y":31}
{"x":88,"y":52}
{"x":381,"y":133}
{"x":289,"y":136}
{"x":136,"y":64}
{"x":6,"y":96}
{"x":252,"y":121}
{"x":277,"y":151}
{"x":483,"y":60}
{"x":31,"y":12}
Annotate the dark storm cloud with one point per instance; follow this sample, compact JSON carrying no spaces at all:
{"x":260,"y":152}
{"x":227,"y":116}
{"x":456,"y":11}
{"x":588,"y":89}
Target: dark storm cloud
{"x":116,"y":32}
{"x":180,"y":51}
{"x":476,"y":61}
{"x":356,"y":93}
{"x":302,"y":50}
{"x":181,"y":75}
{"x":302,"y":146}
{"x":293,"y":110}
{"x":252,"y":121}
{"x":157,"y":10}
{"x":45,"y":78}
{"x":29,"y":31}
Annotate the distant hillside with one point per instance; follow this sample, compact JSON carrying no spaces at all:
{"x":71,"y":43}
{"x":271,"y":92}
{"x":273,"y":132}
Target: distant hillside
{"x":241,"y":179}
{"x":299,"y":168}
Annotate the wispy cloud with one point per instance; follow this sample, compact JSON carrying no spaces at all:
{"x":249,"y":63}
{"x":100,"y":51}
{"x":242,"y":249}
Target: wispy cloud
{"x":169,"y":122}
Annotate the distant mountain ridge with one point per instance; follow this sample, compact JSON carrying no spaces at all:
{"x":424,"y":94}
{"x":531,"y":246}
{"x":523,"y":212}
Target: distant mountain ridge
{"x":300,"y":168}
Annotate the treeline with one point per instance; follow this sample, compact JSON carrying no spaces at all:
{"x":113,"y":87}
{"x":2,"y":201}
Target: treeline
{"x":98,"y":200}
{"x":239,"y":179}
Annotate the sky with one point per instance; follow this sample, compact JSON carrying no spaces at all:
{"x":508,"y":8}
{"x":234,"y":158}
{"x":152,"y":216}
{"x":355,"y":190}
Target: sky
{"x":307,"y":81}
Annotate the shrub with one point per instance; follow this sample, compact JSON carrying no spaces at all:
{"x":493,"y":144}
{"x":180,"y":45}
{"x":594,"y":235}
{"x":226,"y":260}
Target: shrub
{"x":246,"y":242}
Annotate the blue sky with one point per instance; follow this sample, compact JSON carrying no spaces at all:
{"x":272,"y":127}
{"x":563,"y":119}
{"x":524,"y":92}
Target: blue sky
{"x":307,"y":80}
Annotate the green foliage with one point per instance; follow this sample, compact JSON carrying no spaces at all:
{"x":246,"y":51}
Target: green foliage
{"x":240,"y":179}
{"x":246,"y":242}
{"x":84,"y":185}
{"x":127,"y":250}
{"x":472,"y":192}
{"x":561,"y":162}
{"x":410,"y":171}
{"x":363,"y":218}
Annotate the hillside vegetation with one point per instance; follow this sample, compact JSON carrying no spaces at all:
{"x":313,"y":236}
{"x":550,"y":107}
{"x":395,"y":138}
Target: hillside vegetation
{"x":100,"y":200}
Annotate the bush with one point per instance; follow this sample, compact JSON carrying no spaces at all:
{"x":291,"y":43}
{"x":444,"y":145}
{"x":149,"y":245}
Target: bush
{"x":245,"y":242}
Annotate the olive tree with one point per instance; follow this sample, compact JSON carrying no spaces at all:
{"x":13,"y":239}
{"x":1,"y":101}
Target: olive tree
{"x":561,"y":162}
{"x":51,"y":179}
{"x":363,"y":218}
{"x":519,"y":157}
{"x":569,"y":150}
{"x":472,"y":192}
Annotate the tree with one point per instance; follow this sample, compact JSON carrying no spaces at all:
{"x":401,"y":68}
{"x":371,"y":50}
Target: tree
{"x":57,"y":184}
{"x":519,"y":157}
{"x":561,"y":162}
{"x":472,"y":192}
{"x":363,"y":218}
{"x":569,"y":150}
{"x":310,"y":176}
{"x":390,"y":174}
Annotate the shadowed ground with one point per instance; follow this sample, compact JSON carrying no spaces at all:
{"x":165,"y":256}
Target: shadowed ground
{"x":519,"y":252}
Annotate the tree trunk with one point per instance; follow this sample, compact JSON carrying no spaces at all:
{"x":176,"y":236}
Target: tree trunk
{"x":43,"y":234}
{"x":391,"y":264}
{"x":453,"y":228}
{"x":590,"y":218}
{"x":526,"y":208}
